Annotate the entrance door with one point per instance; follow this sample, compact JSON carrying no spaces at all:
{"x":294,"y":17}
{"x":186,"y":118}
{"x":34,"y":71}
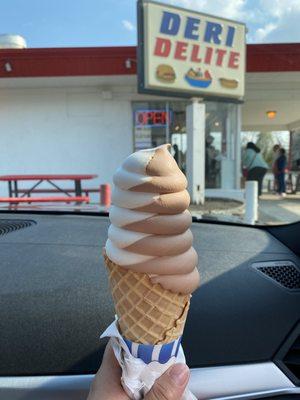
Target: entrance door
{"x":177,"y":130}
{"x":220,"y":133}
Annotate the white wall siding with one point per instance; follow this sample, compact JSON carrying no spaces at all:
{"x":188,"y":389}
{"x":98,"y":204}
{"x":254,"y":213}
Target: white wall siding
{"x":63,"y":131}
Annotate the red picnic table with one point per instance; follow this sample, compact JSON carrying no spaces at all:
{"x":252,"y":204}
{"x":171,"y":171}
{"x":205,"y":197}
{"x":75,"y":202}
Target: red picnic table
{"x":15,"y":192}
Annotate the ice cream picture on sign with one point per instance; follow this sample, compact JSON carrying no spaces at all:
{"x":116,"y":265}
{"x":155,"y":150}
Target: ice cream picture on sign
{"x":205,"y":53}
{"x":196,"y":78}
{"x":150,"y":258}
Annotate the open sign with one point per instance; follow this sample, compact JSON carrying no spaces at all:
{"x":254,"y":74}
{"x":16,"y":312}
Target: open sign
{"x":152,"y":118}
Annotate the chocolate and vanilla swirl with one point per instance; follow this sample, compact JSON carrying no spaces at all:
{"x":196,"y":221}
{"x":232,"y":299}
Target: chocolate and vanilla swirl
{"x":149,"y":231}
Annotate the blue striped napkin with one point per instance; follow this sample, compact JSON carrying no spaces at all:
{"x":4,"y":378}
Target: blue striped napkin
{"x":159,"y":352}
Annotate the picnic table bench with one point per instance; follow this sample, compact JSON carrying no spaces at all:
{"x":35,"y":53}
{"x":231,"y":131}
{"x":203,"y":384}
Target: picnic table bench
{"x":17,"y":195}
{"x":76,"y":194}
{"x":64,"y":199}
{"x":85,"y":191}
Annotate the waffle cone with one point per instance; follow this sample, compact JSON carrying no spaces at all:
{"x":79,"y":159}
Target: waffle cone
{"x":147,"y":313}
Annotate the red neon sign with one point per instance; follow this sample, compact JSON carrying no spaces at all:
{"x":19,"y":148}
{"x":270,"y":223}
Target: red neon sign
{"x":152,"y":118}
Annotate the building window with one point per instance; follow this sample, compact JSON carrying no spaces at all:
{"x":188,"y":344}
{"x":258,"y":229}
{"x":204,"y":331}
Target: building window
{"x":161,"y":122}
{"x":158,"y":122}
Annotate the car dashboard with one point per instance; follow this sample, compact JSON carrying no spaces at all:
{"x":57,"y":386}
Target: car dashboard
{"x":242,"y":336}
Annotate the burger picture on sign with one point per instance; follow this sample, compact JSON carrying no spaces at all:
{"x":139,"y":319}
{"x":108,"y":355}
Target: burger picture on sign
{"x":165,"y":73}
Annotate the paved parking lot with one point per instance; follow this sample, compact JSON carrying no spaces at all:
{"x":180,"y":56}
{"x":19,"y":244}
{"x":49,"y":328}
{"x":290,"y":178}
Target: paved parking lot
{"x":274,"y":210}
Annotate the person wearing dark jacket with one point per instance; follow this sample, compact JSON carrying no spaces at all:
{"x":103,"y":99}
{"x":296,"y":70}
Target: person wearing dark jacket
{"x":276,"y":154}
{"x":280,"y":168}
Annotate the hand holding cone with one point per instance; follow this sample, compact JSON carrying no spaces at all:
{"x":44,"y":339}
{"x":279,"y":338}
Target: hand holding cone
{"x":149,"y":256}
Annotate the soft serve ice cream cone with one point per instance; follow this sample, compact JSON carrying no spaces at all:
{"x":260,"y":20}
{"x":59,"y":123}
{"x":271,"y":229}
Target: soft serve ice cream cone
{"x":149,"y":255}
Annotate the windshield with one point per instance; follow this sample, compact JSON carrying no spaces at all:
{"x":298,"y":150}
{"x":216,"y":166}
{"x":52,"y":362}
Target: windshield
{"x":83,"y":84}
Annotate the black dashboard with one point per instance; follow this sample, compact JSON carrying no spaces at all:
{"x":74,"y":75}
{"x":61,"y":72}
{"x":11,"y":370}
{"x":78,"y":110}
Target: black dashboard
{"x":55,"y":300}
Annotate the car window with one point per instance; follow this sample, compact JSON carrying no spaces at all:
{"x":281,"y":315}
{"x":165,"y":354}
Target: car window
{"x":72,"y":108}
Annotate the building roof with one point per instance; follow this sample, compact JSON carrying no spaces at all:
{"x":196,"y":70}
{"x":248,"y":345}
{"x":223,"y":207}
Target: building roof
{"x":93,"y":61}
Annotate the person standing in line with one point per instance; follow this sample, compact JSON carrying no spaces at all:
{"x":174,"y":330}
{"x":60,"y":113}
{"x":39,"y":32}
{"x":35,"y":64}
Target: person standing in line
{"x":176,"y":154}
{"x":179,"y":157}
{"x":255,"y":165}
{"x":281,"y":163}
{"x":276,"y":154}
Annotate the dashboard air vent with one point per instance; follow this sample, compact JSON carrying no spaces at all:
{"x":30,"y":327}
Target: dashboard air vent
{"x":11,"y":225}
{"x":283,"y":272}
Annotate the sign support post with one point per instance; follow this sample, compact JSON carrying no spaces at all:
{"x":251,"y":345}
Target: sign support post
{"x":195,"y":125}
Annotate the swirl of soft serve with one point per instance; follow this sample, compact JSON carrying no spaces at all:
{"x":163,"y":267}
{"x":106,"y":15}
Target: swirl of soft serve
{"x":149,"y":231}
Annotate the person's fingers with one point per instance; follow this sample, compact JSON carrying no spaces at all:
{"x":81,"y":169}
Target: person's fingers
{"x":107,"y":386}
{"x":171,"y":385}
{"x":107,"y":381}
{"x":110,"y":367}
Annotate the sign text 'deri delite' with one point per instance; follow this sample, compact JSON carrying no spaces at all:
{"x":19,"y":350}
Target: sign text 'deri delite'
{"x":214,"y":34}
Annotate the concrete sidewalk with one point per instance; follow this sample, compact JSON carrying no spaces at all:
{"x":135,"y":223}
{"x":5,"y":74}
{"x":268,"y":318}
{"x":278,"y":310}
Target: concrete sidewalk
{"x":274,"y":210}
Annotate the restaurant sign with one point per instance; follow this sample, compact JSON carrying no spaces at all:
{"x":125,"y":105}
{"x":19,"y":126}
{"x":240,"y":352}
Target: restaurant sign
{"x":188,"y":53}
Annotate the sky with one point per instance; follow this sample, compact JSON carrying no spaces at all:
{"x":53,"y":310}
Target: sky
{"x":69,"y":23}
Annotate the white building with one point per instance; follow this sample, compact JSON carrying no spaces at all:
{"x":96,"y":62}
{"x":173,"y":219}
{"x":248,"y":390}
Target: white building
{"x":77,"y":110}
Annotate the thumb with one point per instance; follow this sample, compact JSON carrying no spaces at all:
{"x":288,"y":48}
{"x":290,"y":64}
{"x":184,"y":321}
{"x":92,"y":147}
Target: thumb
{"x":171,"y":385}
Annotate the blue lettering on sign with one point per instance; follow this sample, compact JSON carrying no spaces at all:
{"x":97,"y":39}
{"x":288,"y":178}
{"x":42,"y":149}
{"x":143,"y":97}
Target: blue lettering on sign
{"x":170,"y":23}
{"x":191,"y":28}
{"x":212,"y":33}
{"x":230,"y":36}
